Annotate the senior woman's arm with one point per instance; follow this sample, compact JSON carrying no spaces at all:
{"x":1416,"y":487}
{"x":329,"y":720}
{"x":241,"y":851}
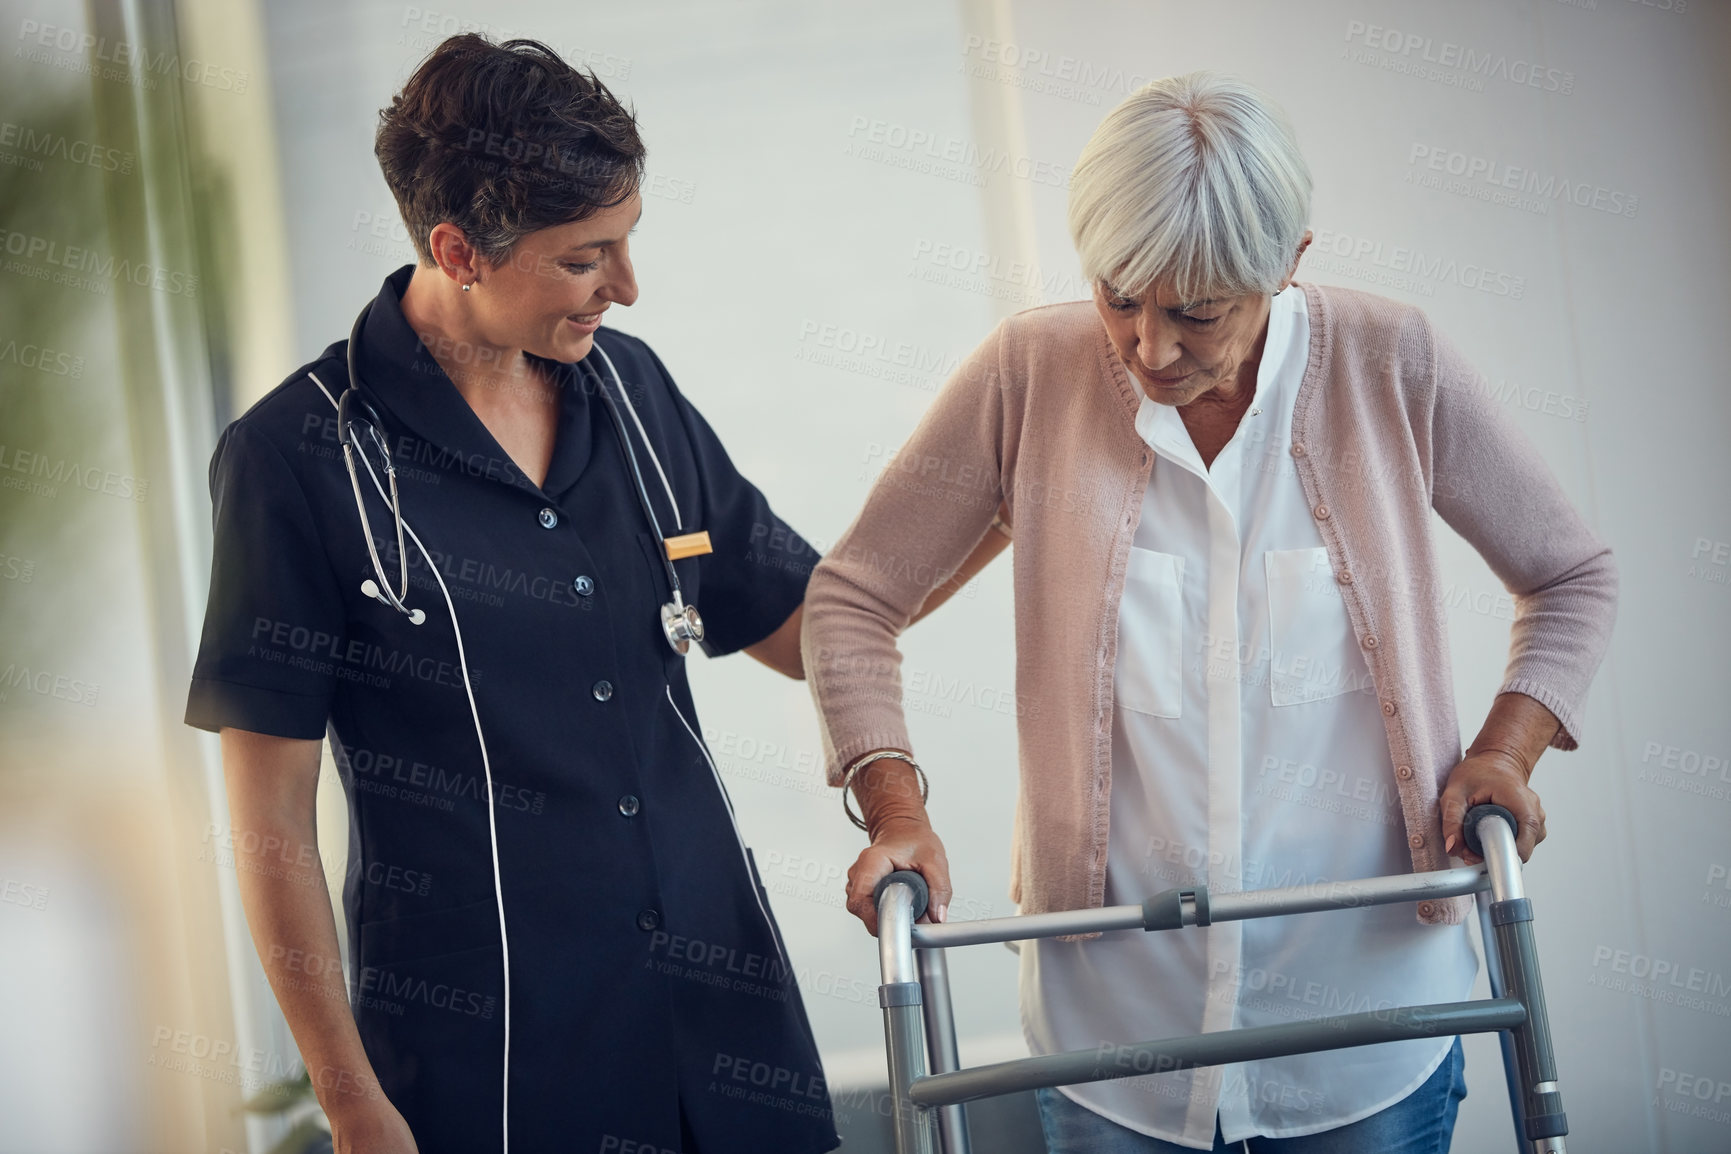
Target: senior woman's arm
{"x":1493,"y":488}
{"x":927,"y":514}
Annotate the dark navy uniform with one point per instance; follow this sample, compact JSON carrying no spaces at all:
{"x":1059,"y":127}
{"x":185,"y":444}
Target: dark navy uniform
{"x":651,"y":997}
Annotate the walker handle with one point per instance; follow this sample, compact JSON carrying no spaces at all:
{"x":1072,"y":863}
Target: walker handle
{"x":910,"y":879}
{"x":1470,"y":824}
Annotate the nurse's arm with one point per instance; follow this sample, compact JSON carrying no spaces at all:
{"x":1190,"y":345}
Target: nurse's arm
{"x":780,"y":650}
{"x":272,"y":784}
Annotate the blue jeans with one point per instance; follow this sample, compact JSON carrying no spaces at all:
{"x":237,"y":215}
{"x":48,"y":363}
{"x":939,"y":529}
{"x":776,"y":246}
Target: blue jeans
{"x":1421,"y":1123}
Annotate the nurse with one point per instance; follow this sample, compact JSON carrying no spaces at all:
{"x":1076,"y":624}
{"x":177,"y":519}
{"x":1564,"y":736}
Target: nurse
{"x":557,"y":937}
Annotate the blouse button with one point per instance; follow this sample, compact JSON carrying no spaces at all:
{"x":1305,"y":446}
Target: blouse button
{"x":1370,"y":641}
{"x":629,"y":805}
{"x":1416,"y":841}
{"x":1388,"y":709}
{"x":549,"y":518}
{"x":603,"y":690}
{"x":1322,"y":512}
{"x":584,"y":585}
{"x":1404,"y":772}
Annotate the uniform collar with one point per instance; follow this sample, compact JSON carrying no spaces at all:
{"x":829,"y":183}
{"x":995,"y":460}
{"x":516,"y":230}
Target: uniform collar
{"x":417,"y":395}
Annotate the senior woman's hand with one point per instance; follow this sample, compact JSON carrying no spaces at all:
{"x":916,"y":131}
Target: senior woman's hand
{"x":902,"y":838}
{"x":1493,"y":778}
{"x":1496,"y":769}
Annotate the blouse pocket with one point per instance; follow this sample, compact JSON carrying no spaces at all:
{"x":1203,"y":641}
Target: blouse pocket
{"x":1151,"y":635}
{"x":1312,"y":652}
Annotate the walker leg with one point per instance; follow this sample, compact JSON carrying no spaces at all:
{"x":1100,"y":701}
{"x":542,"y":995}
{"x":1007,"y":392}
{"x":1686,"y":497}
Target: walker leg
{"x":901,"y":898}
{"x":1543,"y":1123}
{"x":1505,"y":1040}
{"x":941,"y":1042}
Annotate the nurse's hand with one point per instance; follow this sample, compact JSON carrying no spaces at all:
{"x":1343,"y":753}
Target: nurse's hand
{"x":372,"y":1127}
{"x":899,"y":843}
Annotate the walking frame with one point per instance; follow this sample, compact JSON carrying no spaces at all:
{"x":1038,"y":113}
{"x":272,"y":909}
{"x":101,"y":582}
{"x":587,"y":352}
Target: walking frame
{"x":919,"y":1025}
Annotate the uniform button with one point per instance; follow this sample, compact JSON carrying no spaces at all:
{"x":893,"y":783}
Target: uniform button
{"x":549,"y":518}
{"x":647,"y":920}
{"x":1370,"y":641}
{"x":629,"y":805}
{"x":1416,"y":841}
{"x":1345,"y":576}
{"x":1404,"y":772}
{"x":1297,"y":449}
{"x":603,"y":690}
{"x":584,"y":585}
{"x":1388,"y":709}
{"x":1322,"y":512}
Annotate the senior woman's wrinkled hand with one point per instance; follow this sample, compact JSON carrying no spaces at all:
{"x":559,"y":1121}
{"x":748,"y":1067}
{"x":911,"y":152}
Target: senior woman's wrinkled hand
{"x":1494,"y":778}
{"x":899,"y":843}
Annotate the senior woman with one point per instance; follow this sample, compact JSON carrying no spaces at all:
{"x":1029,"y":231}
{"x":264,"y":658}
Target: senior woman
{"x":1231,"y":652}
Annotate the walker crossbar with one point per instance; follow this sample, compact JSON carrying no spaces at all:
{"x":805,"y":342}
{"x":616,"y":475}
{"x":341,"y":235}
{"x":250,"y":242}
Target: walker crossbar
{"x":918,"y":1023}
{"x":1195,"y":906}
{"x":1119,"y":1060}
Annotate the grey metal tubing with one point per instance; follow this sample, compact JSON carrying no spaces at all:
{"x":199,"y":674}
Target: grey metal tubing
{"x":904,"y":1034}
{"x":1223,"y":907}
{"x":1118,"y":1060}
{"x":1542,"y":1121}
{"x":1502,"y":859}
{"x":907,"y":1065}
{"x":1505,"y":1039}
{"x":895,"y":925}
{"x":1027,"y":926}
{"x":1345,"y":895}
{"x":941,"y":1048}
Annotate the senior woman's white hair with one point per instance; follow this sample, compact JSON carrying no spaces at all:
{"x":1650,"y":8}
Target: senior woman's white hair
{"x":1197,"y":179}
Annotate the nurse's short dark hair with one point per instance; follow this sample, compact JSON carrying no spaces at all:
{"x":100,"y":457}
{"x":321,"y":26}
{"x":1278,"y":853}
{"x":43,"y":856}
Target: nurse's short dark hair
{"x":503,"y":140}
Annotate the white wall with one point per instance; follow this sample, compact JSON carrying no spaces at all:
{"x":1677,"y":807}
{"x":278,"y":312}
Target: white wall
{"x":798,"y":191}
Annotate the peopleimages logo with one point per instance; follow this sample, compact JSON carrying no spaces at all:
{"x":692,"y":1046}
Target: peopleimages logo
{"x":1411,"y":269}
{"x":1485,"y":176}
{"x":1415,"y":48}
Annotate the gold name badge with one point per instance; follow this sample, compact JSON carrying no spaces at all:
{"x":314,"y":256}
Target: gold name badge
{"x":690,"y":545}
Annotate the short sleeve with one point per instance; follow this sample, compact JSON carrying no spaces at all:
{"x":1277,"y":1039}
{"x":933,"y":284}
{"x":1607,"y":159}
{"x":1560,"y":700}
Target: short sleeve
{"x":275,"y":616}
{"x":757,"y":573}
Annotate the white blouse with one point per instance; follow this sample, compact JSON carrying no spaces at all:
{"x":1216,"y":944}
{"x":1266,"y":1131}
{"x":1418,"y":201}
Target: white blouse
{"x":1248,"y":752}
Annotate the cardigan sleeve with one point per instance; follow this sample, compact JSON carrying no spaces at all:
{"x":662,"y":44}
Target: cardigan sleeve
{"x":926,"y":512}
{"x":1490,"y":484}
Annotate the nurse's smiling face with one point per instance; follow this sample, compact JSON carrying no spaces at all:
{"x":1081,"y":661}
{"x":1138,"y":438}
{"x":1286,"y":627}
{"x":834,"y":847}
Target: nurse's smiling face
{"x":547,"y":297}
{"x":550,"y":295}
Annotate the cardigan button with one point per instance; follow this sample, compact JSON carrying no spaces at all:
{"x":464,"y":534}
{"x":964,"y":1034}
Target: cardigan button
{"x":1370,"y":641}
{"x":1345,"y":576}
{"x":1426,"y":909}
{"x":1404,"y":772}
{"x":1298,"y":448}
{"x":1416,"y":841}
{"x":1322,"y":512}
{"x":1388,"y":709}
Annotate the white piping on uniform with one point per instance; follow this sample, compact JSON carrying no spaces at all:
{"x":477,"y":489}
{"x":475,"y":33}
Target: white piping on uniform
{"x":486,"y":767}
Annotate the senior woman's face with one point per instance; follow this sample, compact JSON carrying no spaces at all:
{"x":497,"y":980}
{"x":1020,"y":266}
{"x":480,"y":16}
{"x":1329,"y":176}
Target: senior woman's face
{"x":549,"y":296}
{"x":1180,"y":350}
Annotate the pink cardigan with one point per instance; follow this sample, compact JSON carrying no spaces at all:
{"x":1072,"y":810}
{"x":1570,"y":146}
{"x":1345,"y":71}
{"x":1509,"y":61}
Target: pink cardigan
{"x":1390,"y":422}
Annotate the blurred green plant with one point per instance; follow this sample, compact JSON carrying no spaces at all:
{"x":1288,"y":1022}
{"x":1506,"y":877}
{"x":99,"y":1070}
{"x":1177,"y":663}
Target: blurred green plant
{"x":309,"y":1134}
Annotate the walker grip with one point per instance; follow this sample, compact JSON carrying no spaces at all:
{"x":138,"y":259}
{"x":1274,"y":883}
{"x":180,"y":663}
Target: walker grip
{"x":910,"y":879}
{"x":1470,"y":824}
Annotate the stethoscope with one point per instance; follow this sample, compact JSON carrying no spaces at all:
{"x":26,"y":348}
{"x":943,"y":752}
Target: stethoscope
{"x":681,"y":624}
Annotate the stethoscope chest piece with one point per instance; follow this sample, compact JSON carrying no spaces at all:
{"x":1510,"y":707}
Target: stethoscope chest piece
{"x":680,"y":623}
